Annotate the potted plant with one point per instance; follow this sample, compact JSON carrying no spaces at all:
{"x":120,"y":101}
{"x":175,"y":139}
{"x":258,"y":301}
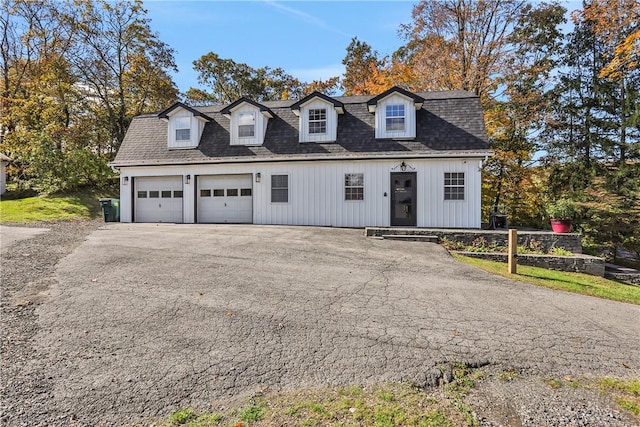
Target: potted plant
{"x":561,"y":212}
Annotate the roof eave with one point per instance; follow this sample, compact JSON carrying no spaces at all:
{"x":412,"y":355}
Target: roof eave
{"x":476,"y":154}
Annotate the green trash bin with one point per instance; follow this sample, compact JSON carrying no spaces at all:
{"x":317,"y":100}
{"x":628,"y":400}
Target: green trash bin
{"x":110,"y":210}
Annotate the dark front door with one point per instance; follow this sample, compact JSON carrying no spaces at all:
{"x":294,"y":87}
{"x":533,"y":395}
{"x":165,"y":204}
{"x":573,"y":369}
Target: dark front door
{"x":403,"y":198}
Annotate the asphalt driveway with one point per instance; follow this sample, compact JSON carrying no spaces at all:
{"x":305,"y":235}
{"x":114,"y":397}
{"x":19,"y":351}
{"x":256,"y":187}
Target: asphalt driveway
{"x":143,"y":318}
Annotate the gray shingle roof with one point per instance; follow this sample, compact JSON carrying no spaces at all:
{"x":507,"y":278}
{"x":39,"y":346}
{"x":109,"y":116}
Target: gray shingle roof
{"x":449,"y":124}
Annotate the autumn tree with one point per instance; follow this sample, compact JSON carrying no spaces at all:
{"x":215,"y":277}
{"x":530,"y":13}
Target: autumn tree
{"x":517,"y":113}
{"x":73,"y":76}
{"x":227,"y":80}
{"x":617,"y":24}
{"x":593,"y":135}
{"x":504,"y":51}
{"x":121,"y":63}
{"x":460,"y":44}
{"x":368,"y":73}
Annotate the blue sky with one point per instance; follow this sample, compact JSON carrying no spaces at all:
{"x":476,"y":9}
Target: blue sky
{"x":306,"y":38}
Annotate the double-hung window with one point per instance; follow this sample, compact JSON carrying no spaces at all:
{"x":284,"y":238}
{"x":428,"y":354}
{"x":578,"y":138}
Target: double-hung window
{"x":354,"y":186}
{"x":183,"y":129}
{"x":318,"y":121}
{"x":246,"y":125}
{"x":454,"y":185}
{"x":394,"y":116}
{"x":279,"y":188}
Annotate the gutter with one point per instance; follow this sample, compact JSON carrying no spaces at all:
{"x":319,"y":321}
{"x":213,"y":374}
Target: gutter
{"x":240,"y":160}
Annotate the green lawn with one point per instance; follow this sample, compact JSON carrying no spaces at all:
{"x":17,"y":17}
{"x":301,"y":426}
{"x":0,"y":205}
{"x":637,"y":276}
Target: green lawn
{"x":81,"y":205}
{"x":579,"y":283}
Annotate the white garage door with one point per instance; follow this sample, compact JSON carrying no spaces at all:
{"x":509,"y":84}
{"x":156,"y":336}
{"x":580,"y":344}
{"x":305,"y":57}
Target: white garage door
{"x":158,"y":199}
{"x":225,"y":199}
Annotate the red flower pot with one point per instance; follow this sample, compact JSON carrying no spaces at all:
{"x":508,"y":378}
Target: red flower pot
{"x":561,"y":225}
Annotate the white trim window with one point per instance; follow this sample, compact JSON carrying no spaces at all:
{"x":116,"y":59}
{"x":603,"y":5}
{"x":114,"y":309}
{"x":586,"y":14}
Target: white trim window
{"x":354,"y":186}
{"x":318,"y":121}
{"x":394,"y":118}
{"x":454,"y":185}
{"x":279,"y":188}
{"x":246,"y":125}
{"x":183,"y":128}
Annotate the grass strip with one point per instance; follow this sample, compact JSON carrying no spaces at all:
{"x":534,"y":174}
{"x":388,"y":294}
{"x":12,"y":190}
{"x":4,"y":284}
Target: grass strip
{"x":578,"y":283}
{"x":66,"y":207}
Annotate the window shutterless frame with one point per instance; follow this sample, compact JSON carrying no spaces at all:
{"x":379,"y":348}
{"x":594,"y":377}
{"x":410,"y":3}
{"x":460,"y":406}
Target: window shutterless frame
{"x":354,"y":186}
{"x":246,"y":125}
{"x":183,"y":128}
{"x":317,"y":121}
{"x":454,"y":186}
{"x":279,"y":188}
{"x":394,"y":117}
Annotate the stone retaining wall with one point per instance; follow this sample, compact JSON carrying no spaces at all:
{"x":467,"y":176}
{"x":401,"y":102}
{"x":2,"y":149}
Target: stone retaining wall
{"x":578,"y":263}
{"x":546,"y":239}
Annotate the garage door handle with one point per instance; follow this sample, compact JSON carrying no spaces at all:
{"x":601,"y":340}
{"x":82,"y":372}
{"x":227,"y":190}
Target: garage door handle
{"x":159,"y":205}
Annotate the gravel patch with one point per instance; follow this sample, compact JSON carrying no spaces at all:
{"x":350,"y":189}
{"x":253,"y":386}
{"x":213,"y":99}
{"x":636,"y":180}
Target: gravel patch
{"x":530,"y":402}
{"x":28,"y":266}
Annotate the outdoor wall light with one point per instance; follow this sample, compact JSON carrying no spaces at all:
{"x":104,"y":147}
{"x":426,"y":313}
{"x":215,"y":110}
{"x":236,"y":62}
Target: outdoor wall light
{"x":187,"y":179}
{"x":258,"y":177}
{"x":403,"y":166}
{"x":125,"y":180}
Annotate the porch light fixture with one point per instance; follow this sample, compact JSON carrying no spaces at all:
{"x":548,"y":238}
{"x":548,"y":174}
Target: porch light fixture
{"x":125,"y":180}
{"x":258,"y":177}
{"x":187,"y":179}
{"x":403,"y":166}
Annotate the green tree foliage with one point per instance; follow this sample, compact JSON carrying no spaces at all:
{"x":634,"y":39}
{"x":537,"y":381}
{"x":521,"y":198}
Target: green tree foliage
{"x":516,"y":114}
{"x":228,"y":81}
{"x":593,"y":135}
{"x":505,"y":52}
{"x":73,"y":75}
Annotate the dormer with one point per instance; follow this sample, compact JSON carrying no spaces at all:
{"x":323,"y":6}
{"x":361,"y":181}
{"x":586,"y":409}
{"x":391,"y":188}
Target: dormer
{"x":318,"y":117}
{"x":185,"y":125}
{"x":395,"y":112}
{"x":248,"y":121}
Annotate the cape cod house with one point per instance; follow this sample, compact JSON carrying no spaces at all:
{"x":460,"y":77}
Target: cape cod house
{"x":395,"y":159}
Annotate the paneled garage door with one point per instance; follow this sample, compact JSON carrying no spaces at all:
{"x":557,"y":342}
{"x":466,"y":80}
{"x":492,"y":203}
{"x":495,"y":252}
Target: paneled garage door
{"x":158,"y":199}
{"x":225,"y":198}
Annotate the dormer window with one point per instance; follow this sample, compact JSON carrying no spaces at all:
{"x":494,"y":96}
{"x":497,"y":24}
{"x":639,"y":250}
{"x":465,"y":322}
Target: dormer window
{"x":246,"y":125}
{"x":183,"y":128}
{"x":394,"y":117}
{"x":318,"y":115}
{"x":318,"y":121}
{"x":248,"y":121}
{"x":395,"y":112}
{"x":184,"y":125}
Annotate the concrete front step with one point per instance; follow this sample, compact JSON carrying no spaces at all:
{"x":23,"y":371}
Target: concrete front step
{"x":411,"y":238}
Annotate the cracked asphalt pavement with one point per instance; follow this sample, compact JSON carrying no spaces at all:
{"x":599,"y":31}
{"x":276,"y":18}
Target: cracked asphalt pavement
{"x":143,"y":319}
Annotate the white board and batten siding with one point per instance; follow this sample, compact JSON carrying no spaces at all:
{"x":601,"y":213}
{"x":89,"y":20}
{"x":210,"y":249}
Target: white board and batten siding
{"x":316,"y":191}
{"x":332,"y":122}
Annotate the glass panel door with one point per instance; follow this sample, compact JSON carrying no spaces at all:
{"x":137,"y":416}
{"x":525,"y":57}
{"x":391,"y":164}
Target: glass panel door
{"x":403,"y":199}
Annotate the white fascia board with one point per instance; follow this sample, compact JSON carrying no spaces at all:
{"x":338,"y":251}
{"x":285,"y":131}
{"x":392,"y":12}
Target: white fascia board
{"x":381,"y":156}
